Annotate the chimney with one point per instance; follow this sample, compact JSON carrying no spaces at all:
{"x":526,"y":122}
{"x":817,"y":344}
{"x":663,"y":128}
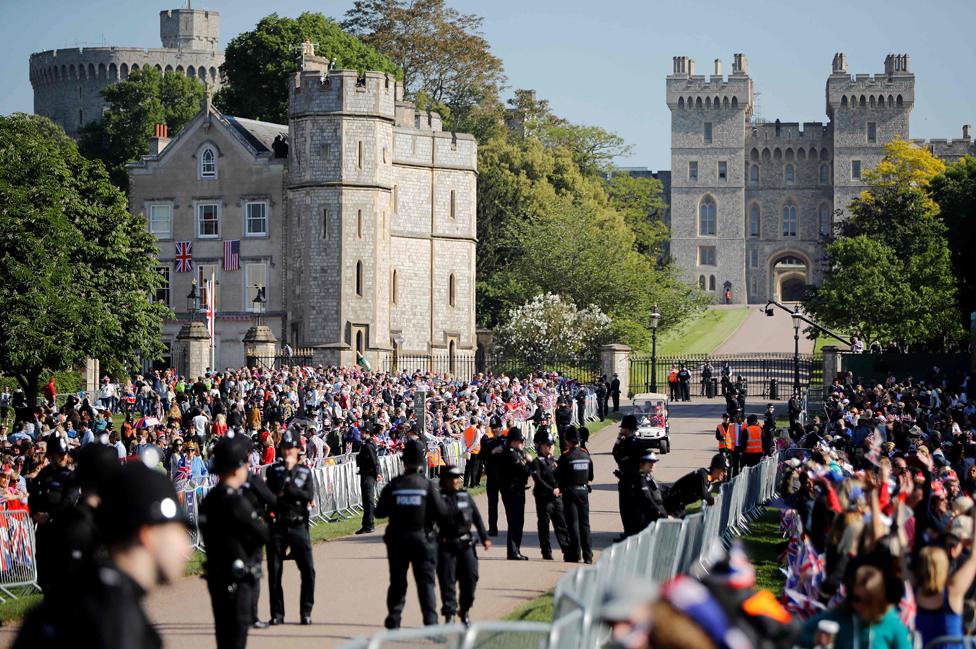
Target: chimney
{"x":718,"y":67}
{"x":967,"y":131}
{"x":691,"y":67}
{"x":159,"y":140}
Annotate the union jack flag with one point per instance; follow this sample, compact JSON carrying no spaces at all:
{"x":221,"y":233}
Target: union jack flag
{"x":184,"y":256}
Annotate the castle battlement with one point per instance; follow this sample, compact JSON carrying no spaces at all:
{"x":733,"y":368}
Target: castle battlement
{"x":685,"y":89}
{"x":316,"y":91}
{"x":785,"y":131}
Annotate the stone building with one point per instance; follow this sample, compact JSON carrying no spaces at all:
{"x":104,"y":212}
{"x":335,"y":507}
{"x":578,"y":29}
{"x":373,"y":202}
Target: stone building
{"x":367,"y":221}
{"x":67,"y":82}
{"x":752,"y":200}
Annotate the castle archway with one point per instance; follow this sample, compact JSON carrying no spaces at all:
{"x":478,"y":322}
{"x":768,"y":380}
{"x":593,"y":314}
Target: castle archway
{"x":789,"y":273}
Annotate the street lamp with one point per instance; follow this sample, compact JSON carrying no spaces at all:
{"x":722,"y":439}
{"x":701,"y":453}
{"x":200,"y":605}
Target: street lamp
{"x":259,"y":301}
{"x":797,"y":319}
{"x":193,"y":301}
{"x":655,"y":320}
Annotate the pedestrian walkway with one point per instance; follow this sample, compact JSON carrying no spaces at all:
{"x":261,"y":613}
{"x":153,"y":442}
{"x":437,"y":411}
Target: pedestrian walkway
{"x":351,"y":573}
{"x":761,"y":334}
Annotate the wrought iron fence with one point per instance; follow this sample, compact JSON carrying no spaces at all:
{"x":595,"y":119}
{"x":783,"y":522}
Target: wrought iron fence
{"x":767,"y":376}
{"x":584,"y":368}
{"x":300,"y":357}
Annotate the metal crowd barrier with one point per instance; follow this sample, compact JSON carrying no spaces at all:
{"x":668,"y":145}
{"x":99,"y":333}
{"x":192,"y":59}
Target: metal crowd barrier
{"x":664,"y":549}
{"x":18,"y":562}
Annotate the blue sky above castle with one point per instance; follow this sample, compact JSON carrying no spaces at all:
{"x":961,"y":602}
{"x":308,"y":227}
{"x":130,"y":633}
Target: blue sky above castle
{"x":605,"y":63}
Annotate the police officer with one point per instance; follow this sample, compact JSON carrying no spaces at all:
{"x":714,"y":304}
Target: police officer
{"x":602,"y":391}
{"x":564,"y":417}
{"x":548,"y":504}
{"x":492,"y":446}
{"x":697,"y":485}
{"x":650,"y":500}
{"x":574,"y":472}
{"x":257,"y":492}
{"x":52,"y":492}
{"x":627,"y":452}
{"x":292,"y":485}
{"x":725,"y":433}
{"x":413,"y":505}
{"x":233,"y":532}
{"x":684,"y":381}
{"x":514,"y":481}
{"x":146,"y":536}
{"x":368,"y":462}
{"x":457,"y":560}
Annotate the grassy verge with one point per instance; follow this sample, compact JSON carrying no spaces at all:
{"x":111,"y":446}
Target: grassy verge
{"x":15,"y":609}
{"x":702,"y":335}
{"x":536,"y":610}
{"x":763,"y":545}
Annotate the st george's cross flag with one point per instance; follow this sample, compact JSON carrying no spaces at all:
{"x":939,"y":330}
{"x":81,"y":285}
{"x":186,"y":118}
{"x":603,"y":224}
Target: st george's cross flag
{"x":232,"y":255}
{"x":184,"y":256}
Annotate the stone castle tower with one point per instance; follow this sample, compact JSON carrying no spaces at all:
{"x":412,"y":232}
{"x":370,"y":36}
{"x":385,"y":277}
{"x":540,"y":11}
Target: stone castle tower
{"x":752,"y":201}
{"x":381,"y":227}
{"x":67,"y":82}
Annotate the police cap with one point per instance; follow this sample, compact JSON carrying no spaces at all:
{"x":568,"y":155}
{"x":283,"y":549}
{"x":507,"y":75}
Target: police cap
{"x":413,"y":454}
{"x":571,"y":434}
{"x":94,"y":464}
{"x":56,"y":446}
{"x":515,"y":434}
{"x":289,"y":440}
{"x":541,"y":437}
{"x":719,"y":461}
{"x":135,"y":496}
{"x":451,"y":471}
{"x":650,"y":457}
{"x":230,"y":453}
{"x":629,"y":422}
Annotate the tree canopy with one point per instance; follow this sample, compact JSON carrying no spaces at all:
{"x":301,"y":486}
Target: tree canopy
{"x":148,"y":97}
{"x":78,"y":268}
{"x":955,"y":193}
{"x":258,"y":63}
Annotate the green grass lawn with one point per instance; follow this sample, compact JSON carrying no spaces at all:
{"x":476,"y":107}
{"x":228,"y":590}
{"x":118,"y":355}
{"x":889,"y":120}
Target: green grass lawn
{"x":763,"y":545}
{"x":703,"y":334}
{"x":536,"y":610}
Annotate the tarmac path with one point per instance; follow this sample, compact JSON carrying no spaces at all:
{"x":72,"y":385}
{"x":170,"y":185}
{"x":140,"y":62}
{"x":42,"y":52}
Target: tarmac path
{"x":351,"y":572}
{"x":760,"y":333}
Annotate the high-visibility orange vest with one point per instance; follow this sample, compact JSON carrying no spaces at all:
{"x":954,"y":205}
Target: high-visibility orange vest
{"x":472,"y":442}
{"x":727,"y":436}
{"x":754,"y":440}
{"x":673,"y":376}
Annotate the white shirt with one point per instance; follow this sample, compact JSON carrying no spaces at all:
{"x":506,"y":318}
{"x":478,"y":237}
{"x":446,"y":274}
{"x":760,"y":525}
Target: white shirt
{"x":200,"y":424}
{"x":120,"y":449}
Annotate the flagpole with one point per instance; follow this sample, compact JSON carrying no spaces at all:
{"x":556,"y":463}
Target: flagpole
{"x":213,"y":319}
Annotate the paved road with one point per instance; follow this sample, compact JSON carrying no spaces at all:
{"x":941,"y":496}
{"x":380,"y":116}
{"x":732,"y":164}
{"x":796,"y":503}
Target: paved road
{"x":759,"y":333}
{"x":352,"y":572}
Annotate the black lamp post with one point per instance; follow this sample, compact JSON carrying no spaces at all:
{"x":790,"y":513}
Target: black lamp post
{"x":193,"y":301}
{"x":796,"y":350}
{"x":259,"y":302}
{"x":655,"y":320}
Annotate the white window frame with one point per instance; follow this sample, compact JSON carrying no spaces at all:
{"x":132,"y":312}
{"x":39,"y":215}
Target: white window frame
{"x":247,"y":217}
{"x":166,"y":271}
{"x":197,"y":212}
{"x":162,"y":235}
{"x":203,"y":172}
{"x":203,"y":272}
{"x":791,"y":218}
{"x":251,"y":268}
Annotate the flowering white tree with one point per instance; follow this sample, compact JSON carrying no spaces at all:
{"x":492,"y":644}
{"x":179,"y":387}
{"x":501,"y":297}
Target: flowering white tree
{"x":549,"y":326}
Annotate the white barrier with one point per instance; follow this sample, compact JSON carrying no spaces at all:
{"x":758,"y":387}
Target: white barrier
{"x":18,"y":562}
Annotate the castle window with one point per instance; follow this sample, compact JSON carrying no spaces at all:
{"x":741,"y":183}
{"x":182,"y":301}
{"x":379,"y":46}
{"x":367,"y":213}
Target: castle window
{"x":754,"y":258}
{"x":359,"y":153}
{"x":863,"y":102}
{"x":723,"y":170}
{"x":325,"y":224}
{"x":708,"y":133}
{"x":701,"y":282}
{"x":872,"y":132}
{"x":255,"y":277}
{"x":161,"y":220}
{"x":162,"y":295}
{"x":789,"y":219}
{"x":451,"y":290}
{"x":789,"y":175}
{"x":898,"y":100}
{"x":256,"y":219}
{"x":824,"y":174}
{"x":359,"y":278}
{"x":81,"y":114}
{"x":359,"y":224}
{"x":384,"y":155}
{"x":754,"y":154}
{"x":396,"y":199}
{"x":843,"y":101}
{"x":208,"y":163}
{"x":755,"y":221}
{"x":681,"y":102}
{"x":394,"y":288}
{"x":855,"y":169}
{"x":453,"y":205}
{"x":693,"y":170}
{"x":823,"y":218}
{"x":208,"y":220}
{"x":711,"y":282}
{"x":735,"y":102}
{"x":754,"y":174}
{"x":706,"y":256}
{"x":707,"y":225}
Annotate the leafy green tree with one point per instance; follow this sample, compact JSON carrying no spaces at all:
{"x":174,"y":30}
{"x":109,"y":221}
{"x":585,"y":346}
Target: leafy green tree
{"x":447,"y":63}
{"x":78,"y":268}
{"x":148,"y":97}
{"x":955,"y":193}
{"x":258,"y":63}
{"x":640,"y":202}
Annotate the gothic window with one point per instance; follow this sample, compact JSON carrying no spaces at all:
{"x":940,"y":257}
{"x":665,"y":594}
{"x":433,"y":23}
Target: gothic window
{"x":681,"y":102}
{"x":754,"y":174}
{"x":790,"y":174}
{"x":701,"y":282}
{"x":843,"y":101}
{"x":359,"y":278}
{"x":707,"y":225}
{"x":823,"y":220}
{"x":789,"y":219}
{"x":898,"y":100}
{"x":755,"y":222}
{"x":824,"y":174}
{"x":208,"y":163}
{"x":711,"y":282}
{"x":735,"y":102}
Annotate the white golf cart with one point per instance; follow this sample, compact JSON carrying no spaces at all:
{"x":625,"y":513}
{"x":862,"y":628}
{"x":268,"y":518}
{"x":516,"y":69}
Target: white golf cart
{"x":653,"y":429}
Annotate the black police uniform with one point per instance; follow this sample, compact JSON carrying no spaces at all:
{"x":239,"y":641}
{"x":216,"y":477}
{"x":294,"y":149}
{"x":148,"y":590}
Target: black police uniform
{"x":263,"y":501}
{"x":574,"y":472}
{"x":457,"y":558}
{"x":548,"y":506}
{"x":233,"y":533}
{"x":413,"y":505}
{"x":514,"y":468}
{"x":368,"y":463}
{"x":627,"y":451}
{"x":564,"y":419}
{"x":688,"y":489}
{"x":294,"y":489}
{"x":684,"y":381}
{"x":650,"y":500}
{"x":490,"y":462}
{"x":52,"y":495}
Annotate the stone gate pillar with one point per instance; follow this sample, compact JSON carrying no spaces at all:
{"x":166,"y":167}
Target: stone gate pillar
{"x":192,"y":350}
{"x":259,"y":343}
{"x":615,"y":359}
{"x":831,"y":364}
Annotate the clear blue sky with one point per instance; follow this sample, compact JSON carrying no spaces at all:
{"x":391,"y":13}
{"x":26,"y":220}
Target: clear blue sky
{"x":604,"y":63}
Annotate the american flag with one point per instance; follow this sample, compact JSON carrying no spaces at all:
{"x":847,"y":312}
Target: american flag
{"x":184,"y":256}
{"x":232,"y":255}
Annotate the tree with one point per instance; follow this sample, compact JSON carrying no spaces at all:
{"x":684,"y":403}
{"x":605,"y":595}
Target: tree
{"x":78,"y":268}
{"x":258,"y":64}
{"x":447,"y":64}
{"x":148,"y":97}
{"x":955,"y":193}
{"x":640,"y":202}
{"x":549,"y":326}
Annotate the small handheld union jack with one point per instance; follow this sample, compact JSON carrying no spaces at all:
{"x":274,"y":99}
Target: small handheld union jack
{"x":184,"y":256}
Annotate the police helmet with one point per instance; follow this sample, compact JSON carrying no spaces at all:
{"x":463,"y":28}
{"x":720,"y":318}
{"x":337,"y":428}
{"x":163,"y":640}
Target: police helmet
{"x":414,"y":454}
{"x":56,"y":446}
{"x":515,"y":434}
{"x":542,"y":437}
{"x":629,"y":422}
{"x":230,"y":453}
{"x":451,"y":472}
{"x":289,"y":440}
{"x":495,"y":422}
{"x":571,"y":434}
{"x":719,"y":461}
{"x":94,"y":464}
{"x":136,"y":496}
